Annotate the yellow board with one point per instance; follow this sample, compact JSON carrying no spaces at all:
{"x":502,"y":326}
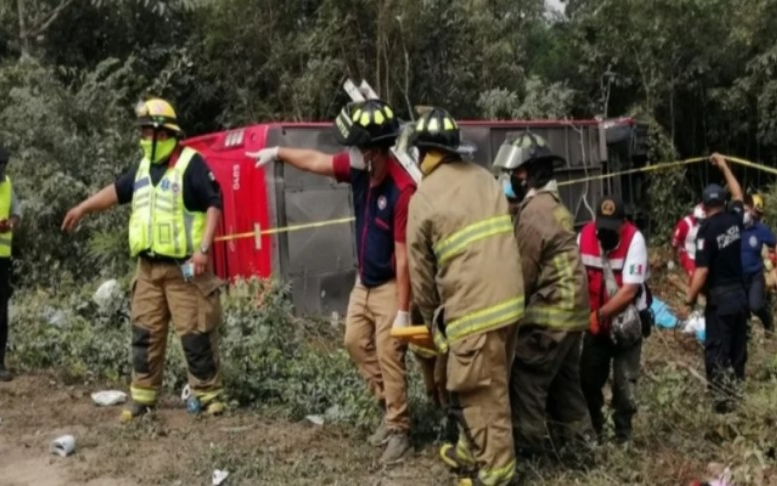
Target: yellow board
{"x":418,"y":335}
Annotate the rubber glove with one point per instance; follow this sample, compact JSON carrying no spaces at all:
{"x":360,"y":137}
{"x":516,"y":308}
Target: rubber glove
{"x":401,"y":320}
{"x":264,"y":156}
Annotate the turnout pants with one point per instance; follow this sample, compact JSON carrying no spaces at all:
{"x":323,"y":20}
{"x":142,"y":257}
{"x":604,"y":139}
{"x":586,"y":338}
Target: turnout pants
{"x":433,"y":373}
{"x":545,"y":386}
{"x":725,"y":342}
{"x":477,"y":381}
{"x":160,"y":294}
{"x":757,"y":301}
{"x":5,"y":296}
{"x":379,"y":357}
{"x":599,"y":353}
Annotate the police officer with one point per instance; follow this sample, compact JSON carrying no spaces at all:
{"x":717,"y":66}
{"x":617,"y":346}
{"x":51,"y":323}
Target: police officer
{"x":10,"y":215}
{"x":380,"y":298}
{"x":719,"y":276}
{"x":176,"y":206}
{"x":755,"y":237}
{"x":545,"y":379}
{"x":467,"y":283}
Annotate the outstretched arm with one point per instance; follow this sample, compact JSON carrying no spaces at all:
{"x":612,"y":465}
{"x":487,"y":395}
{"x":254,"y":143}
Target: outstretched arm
{"x":105,"y":199}
{"x":308,"y":160}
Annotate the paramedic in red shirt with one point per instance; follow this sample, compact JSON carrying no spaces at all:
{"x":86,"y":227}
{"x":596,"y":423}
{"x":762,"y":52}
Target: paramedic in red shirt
{"x":684,"y":238}
{"x":626,"y":252}
{"x":381,"y":297}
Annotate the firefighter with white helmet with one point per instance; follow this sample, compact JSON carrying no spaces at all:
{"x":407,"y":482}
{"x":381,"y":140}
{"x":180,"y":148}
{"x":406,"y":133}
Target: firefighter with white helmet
{"x":176,"y":206}
{"x":545,"y":379}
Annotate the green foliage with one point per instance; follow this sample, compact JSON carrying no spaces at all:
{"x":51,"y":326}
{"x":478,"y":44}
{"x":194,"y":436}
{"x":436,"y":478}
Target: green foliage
{"x":670,"y":196}
{"x":270,"y":359}
{"x":64,"y":144}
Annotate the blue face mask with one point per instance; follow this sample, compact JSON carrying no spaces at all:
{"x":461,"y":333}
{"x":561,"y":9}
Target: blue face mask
{"x":507,"y":188}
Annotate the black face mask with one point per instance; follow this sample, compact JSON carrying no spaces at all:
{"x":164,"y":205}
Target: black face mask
{"x":520,"y":187}
{"x":608,"y":238}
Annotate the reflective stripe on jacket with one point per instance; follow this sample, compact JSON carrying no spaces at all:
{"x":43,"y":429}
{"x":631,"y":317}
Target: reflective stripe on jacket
{"x":553,"y":272}
{"x":462,"y":253}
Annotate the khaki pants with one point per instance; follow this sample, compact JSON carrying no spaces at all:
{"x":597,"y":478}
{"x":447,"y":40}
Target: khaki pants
{"x":477,"y":375}
{"x":379,"y":357}
{"x":545,"y":385}
{"x":159,"y":294}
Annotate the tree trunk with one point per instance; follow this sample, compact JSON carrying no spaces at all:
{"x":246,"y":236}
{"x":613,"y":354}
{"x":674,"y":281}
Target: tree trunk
{"x":24,"y":38}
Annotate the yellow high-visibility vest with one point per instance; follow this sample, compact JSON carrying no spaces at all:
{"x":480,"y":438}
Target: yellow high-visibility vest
{"x":160,"y":223}
{"x":6,"y":190}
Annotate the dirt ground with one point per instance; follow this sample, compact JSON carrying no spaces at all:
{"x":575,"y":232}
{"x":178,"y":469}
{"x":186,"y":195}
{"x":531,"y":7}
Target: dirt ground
{"x":174,"y":448}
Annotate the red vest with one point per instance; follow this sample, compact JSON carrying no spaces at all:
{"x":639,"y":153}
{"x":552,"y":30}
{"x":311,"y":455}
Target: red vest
{"x":589,"y":253}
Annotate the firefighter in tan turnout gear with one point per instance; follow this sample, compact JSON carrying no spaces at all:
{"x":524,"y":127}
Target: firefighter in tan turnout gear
{"x":545,"y":378}
{"x":467,"y":283}
{"x":176,"y":206}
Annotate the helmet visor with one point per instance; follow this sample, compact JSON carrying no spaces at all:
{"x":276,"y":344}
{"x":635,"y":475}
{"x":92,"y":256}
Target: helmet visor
{"x":510,"y":157}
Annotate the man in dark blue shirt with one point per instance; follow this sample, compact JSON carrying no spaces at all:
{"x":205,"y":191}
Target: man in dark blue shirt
{"x":754,"y":237}
{"x":380,"y":299}
{"x":719,"y":275}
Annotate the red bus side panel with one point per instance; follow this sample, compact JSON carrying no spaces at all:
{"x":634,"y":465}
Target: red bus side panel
{"x":246,"y":204}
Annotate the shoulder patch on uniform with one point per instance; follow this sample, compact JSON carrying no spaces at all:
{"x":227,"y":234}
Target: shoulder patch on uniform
{"x":700,"y":245}
{"x":563,"y":217}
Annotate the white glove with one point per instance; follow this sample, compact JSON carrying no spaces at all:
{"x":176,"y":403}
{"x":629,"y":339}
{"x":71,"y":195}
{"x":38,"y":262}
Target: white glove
{"x":264,"y":156}
{"x":402,"y":320}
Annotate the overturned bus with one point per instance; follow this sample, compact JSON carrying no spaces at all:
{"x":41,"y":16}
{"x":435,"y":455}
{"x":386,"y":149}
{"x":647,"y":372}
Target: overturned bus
{"x":295,"y":227}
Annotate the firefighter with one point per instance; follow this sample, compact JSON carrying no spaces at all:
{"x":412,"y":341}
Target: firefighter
{"x":467,"y":283}
{"x":545,"y":379}
{"x":755,"y":236}
{"x":381,"y":296}
{"x":625,"y":251}
{"x":719,"y":275}
{"x":176,"y":206}
{"x":10,"y":216}
{"x":684,"y":238}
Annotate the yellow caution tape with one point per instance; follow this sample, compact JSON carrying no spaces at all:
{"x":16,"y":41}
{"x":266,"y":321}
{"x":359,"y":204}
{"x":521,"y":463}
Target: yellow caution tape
{"x":648,"y":168}
{"x":753,"y":165}
{"x":285,"y":229}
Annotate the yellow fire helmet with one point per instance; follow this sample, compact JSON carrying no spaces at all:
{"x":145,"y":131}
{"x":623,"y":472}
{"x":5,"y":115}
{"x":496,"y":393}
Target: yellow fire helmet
{"x":157,"y":113}
{"x":758,"y":203}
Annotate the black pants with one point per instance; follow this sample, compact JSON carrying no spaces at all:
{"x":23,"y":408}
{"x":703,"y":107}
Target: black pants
{"x":756,"y":299}
{"x":598,"y":354}
{"x":5,"y":296}
{"x":725,"y":343}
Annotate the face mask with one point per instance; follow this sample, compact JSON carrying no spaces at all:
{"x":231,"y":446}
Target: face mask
{"x":507,"y":188}
{"x":748,"y":219}
{"x":163,"y":149}
{"x":608,"y":239}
